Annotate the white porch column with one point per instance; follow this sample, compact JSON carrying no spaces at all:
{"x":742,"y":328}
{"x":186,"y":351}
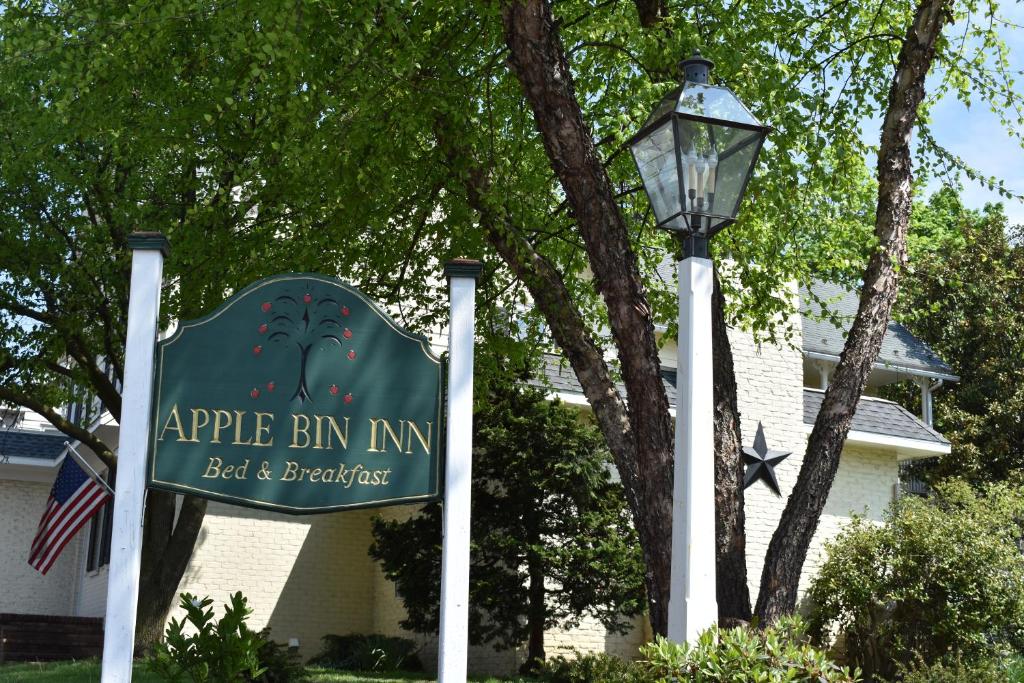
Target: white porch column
{"x":148,"y":251}
{"x":693,"y":605}
{"x":453,"y":648}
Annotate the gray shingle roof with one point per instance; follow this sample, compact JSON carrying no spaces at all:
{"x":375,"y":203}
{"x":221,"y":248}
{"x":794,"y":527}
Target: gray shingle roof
{"x":558,"y":376}
{"x":873,"y":415}
{"x":900,"y":349}
{"x":29,"y":445}
{"x":877,"y":416}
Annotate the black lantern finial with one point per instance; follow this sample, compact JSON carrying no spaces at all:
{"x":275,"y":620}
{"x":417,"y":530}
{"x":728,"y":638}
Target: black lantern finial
{"x":696,"y":69}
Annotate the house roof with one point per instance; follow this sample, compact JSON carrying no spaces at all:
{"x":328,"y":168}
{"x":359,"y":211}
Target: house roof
{"x":557,"y":376}
{"x":877,"y":416}
{"x":18,"y":444}
{"x":900,"y":350}
{"x":874,"y":415}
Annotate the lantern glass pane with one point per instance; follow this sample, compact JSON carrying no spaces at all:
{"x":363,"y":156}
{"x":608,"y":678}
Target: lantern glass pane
{"x":666,"y":106}
{"x":713,"y":102}
{"x":736,"y":158}
{"x":655,"y":157}
{"x":716,"y":162}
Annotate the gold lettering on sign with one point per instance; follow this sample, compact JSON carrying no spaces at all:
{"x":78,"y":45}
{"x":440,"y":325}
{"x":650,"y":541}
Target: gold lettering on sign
{"x":303,"y":430}
{"x":243,"y":470}
{"x":196,"y":424}
{"x":261,"y":429}
{"x":213,"y":468}
{"x":290,"y":470}
{"x":332,"y":427}
{"x":219,"y":423}
{"x":177,"y":425}
{"x":238,"y":430}
{"x":389,"y":432}
{"x":413,"y":429}
{"x":382,"y":432}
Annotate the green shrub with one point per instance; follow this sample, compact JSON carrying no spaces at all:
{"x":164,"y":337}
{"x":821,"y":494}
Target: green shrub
{"x":217,"y":652}
{"x":281,"y":664}
{"x":940,"y":579}
{"x":987,"y":671}
{"x":372,"y":652}
{"x":741,"y":654}
{"x":738,"y":655}
{"x":588,"y":668}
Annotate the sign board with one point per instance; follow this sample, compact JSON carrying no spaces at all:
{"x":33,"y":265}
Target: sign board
{"x":300,"y":395}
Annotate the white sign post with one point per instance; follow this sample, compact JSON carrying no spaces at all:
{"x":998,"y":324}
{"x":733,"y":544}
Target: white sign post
{"x":453,"y":648}
{"x":148,"y":251}
{"x":693,"y":606}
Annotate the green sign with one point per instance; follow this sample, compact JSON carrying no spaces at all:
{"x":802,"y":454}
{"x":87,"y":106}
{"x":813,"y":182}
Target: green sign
{"x":297,"y":394}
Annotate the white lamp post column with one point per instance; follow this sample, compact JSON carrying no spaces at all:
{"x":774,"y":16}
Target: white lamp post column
{"x":693,"y":606}
{"x":695,"y":155}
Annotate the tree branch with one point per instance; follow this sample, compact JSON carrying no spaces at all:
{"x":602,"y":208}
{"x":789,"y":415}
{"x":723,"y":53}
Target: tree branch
{"x":788,"y":548}
{"x":538,"y":59}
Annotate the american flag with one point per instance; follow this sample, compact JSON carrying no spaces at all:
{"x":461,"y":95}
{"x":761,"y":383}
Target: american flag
{"x":74,"y":498}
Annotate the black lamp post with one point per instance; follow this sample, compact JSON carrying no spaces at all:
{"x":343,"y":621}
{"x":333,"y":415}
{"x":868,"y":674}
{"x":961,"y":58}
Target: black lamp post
{"x":695,"y":154}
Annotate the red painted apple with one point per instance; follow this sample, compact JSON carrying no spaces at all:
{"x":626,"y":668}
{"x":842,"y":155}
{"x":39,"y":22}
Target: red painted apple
{"x":351,"y":355}
{"x":307,"y":298}
{"x":348,"y":398}
{"x":344,"y":310}
{"x":262,"y":328}
{"x":265,"y":306}
{"x":255,"y":393}
{"x":347,"y":334}
{"x":270,"y":385}
{"x":334,"y":390}
{"x":256,"y":350}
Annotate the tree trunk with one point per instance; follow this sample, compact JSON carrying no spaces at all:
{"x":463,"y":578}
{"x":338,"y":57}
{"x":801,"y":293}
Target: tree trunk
{"x":536,"y":613}
{"x":788,"y":548}
{"x":730,"y":533}
{"x":643,"y":450}
{"x":167,"y":547}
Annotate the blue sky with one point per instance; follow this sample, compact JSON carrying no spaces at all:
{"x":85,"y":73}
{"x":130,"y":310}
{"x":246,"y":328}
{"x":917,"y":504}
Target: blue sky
{"x":977,"y":135}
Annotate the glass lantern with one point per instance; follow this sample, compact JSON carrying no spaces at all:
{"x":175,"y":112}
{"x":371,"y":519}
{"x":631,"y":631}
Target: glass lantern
{"x":696,"y":154}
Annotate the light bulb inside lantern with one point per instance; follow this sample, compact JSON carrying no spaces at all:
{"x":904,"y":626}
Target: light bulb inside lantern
{"x":691,"y":162}
{"x":712,"y":166}
{"x":702,"y":167}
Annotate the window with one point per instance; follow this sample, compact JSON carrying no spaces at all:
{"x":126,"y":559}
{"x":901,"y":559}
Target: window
{"x":100,"y":528}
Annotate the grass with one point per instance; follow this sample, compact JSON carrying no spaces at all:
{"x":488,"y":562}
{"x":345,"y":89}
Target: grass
{"x":89,"y":672}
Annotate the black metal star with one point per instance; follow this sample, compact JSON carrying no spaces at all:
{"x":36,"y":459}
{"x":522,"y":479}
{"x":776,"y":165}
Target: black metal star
{"x":761,"y":462}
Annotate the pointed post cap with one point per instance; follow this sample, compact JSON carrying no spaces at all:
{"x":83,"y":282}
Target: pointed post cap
{"x":149,"y":240}
{"x":696,"y":69}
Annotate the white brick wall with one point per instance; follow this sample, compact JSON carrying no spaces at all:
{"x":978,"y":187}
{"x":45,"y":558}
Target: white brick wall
{"x":22,"y":588}
{"x":304,"y":576}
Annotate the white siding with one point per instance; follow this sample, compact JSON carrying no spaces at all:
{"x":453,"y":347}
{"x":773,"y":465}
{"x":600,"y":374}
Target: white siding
{"x":23,"y":589}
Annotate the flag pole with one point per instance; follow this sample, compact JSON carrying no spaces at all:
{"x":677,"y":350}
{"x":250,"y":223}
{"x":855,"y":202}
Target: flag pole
{"x":80,"y":459}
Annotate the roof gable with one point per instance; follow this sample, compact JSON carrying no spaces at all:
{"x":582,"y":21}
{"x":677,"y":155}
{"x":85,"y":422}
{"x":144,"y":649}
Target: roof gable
{"x":900,"y":349}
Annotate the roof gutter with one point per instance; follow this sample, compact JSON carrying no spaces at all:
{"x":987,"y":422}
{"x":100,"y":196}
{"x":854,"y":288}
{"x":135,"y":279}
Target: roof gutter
{"x":817,"y":355}
{"x":32,"y":462}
